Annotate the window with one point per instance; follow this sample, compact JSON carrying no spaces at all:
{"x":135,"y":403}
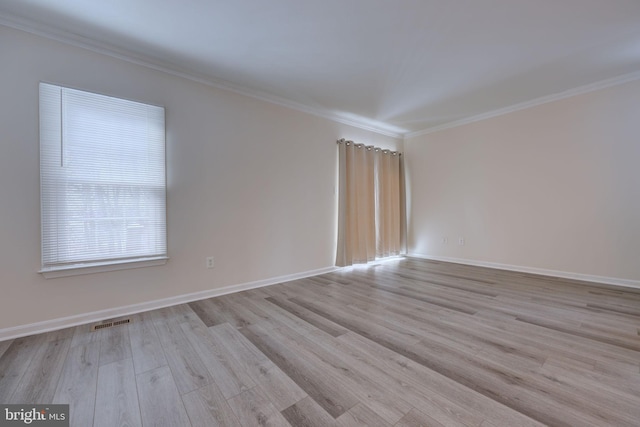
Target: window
{"x":102,"y":182}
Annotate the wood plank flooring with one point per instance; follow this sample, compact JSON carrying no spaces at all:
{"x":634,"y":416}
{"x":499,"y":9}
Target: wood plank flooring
{"x":403,"y":343}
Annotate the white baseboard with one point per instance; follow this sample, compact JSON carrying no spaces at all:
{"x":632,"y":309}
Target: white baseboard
{"x":96,"y":316}
{"x":541,"y":271}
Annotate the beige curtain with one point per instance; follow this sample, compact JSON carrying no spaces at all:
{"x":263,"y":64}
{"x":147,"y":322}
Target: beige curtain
{"x":356,"y":217}
{"x":387,"y":193}
{"x":370,"y":214}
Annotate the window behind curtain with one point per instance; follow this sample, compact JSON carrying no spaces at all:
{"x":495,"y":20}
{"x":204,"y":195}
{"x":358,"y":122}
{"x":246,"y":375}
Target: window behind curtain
{"x":102,"y":174}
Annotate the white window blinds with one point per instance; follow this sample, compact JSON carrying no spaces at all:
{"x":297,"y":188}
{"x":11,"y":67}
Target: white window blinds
{"x":102,"y":179}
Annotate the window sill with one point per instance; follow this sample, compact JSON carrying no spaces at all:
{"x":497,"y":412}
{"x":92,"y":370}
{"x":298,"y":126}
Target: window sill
{"x":100,"y":267}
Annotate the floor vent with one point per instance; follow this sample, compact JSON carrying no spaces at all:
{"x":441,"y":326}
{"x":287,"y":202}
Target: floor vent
{"x":109,"y":324}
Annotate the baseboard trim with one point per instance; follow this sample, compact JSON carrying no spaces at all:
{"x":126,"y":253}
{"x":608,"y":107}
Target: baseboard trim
{"x":96,"y":316}
{"x":541,"y":271}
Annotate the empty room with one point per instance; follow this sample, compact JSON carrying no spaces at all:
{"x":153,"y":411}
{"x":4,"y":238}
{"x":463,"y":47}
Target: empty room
{"x":320,"y":213}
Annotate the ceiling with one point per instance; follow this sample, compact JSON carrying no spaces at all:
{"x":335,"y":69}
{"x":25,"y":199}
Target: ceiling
{"x":398,"y":66}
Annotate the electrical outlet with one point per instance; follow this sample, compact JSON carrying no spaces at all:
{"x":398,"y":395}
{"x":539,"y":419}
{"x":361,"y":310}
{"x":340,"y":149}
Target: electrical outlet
{"x":461,"y":241}
{"x":210,"y":262}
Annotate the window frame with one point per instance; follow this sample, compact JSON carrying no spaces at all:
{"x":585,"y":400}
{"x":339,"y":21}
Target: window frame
{"x":108,"y":262}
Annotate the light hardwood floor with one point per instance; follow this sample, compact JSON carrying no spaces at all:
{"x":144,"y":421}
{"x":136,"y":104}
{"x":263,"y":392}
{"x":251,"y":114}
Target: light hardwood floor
{"x":404,"y":343}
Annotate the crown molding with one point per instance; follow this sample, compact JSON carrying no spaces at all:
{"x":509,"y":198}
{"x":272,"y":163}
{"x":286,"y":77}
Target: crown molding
{"x":76,"y":40}
{"x":592,"y":87}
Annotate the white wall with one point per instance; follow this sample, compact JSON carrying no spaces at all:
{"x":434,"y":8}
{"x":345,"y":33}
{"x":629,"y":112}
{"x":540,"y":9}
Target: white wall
{"x":555,"y":187}
{"x":249,"y":182}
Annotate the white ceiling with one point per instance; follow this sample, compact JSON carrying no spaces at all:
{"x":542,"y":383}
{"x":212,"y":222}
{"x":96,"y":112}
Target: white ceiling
{"x":400,"y":66}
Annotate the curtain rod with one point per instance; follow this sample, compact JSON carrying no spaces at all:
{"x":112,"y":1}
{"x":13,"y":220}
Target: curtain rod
{"x":368,"y":147}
